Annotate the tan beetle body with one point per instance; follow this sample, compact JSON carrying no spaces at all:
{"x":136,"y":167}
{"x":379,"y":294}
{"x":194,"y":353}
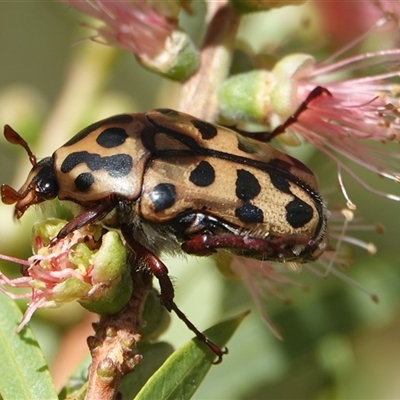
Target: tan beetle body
{"x":185,"y":178}
{"x":171,"y":182}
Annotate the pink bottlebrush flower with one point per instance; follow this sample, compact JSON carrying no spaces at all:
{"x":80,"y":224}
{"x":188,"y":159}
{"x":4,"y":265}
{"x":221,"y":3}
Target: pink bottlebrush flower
{"x":358,"y":105}
{"x":353,"y":113}
{"x":135,"y":26}
{"x":147,"y":29}
{"x":340,"y":253}
{"x":340,"y":256}
{"x":265,"y":280}
{"x":86,"y":266}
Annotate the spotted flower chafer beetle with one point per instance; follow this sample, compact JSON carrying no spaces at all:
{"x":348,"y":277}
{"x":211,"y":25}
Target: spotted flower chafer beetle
{"x":171,"y":182}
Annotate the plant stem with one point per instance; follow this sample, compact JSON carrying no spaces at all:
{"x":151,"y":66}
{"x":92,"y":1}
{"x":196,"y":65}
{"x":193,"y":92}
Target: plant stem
{"x":199,"y":93}
{"x":113,"y":348}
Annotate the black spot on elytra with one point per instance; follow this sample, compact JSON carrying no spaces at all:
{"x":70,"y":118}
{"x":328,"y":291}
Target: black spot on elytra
{"x":168,"y":111}
{"x":207,"y":130}
{"x":280,"y":182}
{"x":163,"y":196}
{"x":116,"y":119}
{"x":298,"y":213}
{"x":246,"y":146}
{"x":203,"y":175}
{"x":247,"y":185}
{"x":116,"y":166}
{"x":74,"y":159}
{"x":84,"y":181}
{"x":112,"y":137}
{"x":249,"y":214}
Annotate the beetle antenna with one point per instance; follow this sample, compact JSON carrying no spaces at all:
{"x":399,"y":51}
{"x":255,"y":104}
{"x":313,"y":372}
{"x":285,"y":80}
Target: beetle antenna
{"x":15,"y":138}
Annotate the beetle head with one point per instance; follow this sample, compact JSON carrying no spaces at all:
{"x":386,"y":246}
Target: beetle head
{"x":41,"y":184}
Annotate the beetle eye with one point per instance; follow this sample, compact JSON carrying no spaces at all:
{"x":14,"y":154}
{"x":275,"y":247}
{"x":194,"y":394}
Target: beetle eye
{"x":45,"y":180}
{"x":48,"y":190}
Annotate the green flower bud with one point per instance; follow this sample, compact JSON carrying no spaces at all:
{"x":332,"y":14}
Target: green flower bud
{"x":283,"y":95}
{"x":245,"y":97}
{"x":293,"y":64}
{"x":70,"y":290}
{"x":106,"y":299}
{"x":267,"y":97}
{"x":46,"y":229}
{"x":110,"y":259}
{"x":178,"y":60}
{"x":111,"y":281}
{"x":76,"y":268}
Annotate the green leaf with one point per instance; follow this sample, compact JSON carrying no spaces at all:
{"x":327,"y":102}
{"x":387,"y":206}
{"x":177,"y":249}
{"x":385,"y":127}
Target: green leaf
{"x":182,"y":373}
{"x":24,"y":373}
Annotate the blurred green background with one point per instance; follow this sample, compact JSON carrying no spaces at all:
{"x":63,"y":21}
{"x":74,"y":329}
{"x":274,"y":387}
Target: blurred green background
{"x":338,"y":344}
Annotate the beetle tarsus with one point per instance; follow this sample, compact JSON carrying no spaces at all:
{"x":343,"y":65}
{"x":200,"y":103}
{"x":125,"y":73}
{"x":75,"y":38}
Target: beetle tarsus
{"x":211,"y":345}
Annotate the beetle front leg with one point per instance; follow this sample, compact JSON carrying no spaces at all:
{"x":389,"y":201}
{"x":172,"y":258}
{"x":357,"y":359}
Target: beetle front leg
{"x":160,"y":271}
{"x":86,"y":217}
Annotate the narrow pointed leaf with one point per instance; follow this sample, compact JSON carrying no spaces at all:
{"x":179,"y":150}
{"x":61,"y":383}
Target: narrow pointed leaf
{"x":24,"y":373}
{"x":182,"y":373}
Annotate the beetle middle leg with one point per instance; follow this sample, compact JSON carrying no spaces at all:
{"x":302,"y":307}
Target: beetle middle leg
{"x":160,"y":271}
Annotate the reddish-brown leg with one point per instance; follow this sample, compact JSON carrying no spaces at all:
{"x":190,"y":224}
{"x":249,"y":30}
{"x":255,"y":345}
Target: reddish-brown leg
{"x":86,"y":217}
{"x":146,"y":259}
{"x":204,"y":245}
{"x":267,"y":136}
